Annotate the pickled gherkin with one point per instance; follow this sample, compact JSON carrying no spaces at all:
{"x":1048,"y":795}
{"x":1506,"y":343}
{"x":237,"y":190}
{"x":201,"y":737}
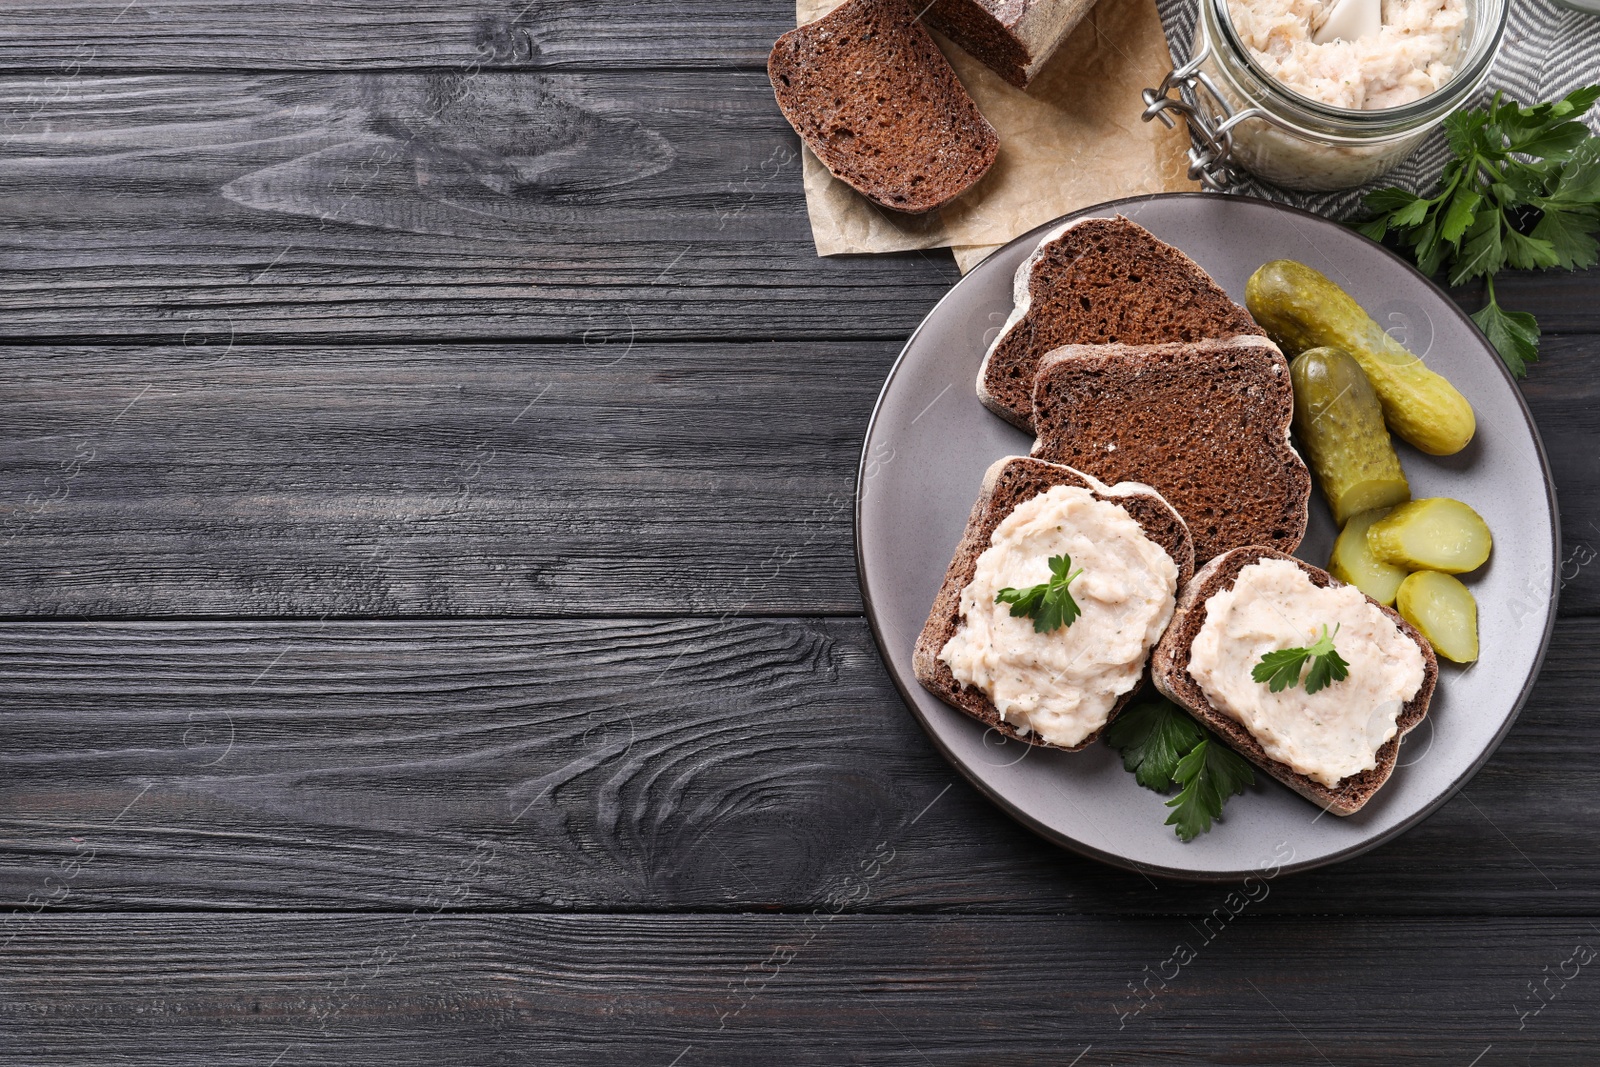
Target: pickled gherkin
{"x":1444,"y":611}
{"x":1354,"y":564}
{"x":1437,"y":534}
{"x":1340,"y":422}
{"x":1301,"y":309}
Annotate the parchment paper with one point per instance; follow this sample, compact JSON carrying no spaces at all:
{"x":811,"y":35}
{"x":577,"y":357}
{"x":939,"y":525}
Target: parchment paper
{"x":1072,"y":140}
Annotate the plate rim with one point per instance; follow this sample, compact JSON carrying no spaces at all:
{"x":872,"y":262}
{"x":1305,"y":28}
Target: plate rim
{"x":1178,"y":873}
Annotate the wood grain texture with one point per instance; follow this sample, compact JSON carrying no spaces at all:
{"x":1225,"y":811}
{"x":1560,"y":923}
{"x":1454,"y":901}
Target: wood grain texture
{"x":371,"y":35}
{"x":588,"y":479}
{"x":667,"y":765}
{"x":461,"y":203}
{"x":353,"y":990}
{"x":1562,"y":300}
{"x":1563,"y":393}
{"x":510,"y":308}
{"x":597,"y":478}
{"x":424,"y":207}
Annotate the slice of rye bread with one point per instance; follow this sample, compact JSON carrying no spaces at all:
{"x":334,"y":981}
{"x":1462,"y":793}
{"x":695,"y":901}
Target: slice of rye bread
{"x":1099,"y":281}
{"x":877,"y":102}
{"x":1008,"y":483}
{"x":1170,"y":667}
{"x":1205,"y":423}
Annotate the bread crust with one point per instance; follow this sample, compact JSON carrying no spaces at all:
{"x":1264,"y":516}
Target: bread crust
{"x":876,"y":101}
{"x":1014,"y":38}
{"x":1008,"y":482}
{"x":1169,"y":667}
{"x":1157,"y":295}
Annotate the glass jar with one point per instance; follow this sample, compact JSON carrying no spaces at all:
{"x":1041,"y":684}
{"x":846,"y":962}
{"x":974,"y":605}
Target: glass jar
{"x":1241,"y":116}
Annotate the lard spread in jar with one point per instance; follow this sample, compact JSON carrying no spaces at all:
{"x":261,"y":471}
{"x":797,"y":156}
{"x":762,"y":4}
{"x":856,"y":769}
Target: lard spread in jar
{"x":1411,"y":56}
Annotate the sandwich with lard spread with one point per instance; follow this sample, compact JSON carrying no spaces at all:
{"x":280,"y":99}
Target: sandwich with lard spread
{"x":1059,"y":589}
{"x":1309,"y":679}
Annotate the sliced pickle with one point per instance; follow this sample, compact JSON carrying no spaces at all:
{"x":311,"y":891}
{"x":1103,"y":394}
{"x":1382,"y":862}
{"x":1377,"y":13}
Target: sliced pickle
{"x":1354,"y":564}
{"x":1437,"y":534}
{"x":1444,"y":611}
{"x":1340,"y":422}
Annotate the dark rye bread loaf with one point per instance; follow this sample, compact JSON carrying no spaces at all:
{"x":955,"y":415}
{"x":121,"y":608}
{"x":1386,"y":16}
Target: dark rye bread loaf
{"x":1205,"y":423}
{"x":871,"y":94}
{"x":1099,"y":281}
{"x":1014,"y":38}
{"x":1169,"y":665}
{"x":1008,"y":483}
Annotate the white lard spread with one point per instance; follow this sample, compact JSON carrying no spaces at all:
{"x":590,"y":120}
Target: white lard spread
{"x":1061,"y":685}
{"x":1413,"y":55}
{"x":1332,"y":733}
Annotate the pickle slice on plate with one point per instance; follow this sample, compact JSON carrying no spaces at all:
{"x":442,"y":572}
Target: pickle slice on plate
{"x":1354,"y":564}
{"x":1300,"y":309}
{"x":1340,"y":422}
{"x":1437,"y":534}
{"x":1444,"y":611}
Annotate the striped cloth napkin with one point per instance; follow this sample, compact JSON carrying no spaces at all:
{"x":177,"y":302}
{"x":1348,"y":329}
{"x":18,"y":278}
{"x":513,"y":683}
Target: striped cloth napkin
{"x":1548,"y":51}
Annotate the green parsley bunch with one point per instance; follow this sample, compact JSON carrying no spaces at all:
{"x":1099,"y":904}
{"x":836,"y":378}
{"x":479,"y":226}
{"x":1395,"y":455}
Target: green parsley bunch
{"x":1523,"y":190}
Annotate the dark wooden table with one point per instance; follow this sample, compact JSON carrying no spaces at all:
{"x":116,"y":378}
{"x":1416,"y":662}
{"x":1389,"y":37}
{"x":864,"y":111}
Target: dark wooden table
{"x":428,"y":622}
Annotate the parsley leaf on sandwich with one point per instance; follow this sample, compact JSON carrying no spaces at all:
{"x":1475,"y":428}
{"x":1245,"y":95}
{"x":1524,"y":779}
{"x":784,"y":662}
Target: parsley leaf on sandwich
{"x":1048,"y":604}
{"x":1152,"y":737}
{"x":1281,"y":669}
{"x":1209,"y":775}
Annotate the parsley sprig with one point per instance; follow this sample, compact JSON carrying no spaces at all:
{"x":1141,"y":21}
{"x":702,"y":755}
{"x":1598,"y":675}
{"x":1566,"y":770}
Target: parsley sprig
{"x":1163,"y":748}
{"x":1210,"y":774}
{"x":1523,"y":190}
{"x":1152,"y":737}
{"x":1049,"y":604}
{"x":1281,"y":669}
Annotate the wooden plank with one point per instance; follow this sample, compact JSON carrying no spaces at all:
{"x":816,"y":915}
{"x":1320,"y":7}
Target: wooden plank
{"x":914,"y":990}
{"x":1562,"y":300}
{"x":449,"y":205}
{"x":700,"y":765}
{"x":601,"y":479}
{"x":1563,"y":393}
{"x":424,"y":207}
{"x":367,"y":34}
{"x":596,"y":479}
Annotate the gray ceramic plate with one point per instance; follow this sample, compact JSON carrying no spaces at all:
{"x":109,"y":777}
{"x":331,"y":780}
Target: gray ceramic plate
{"x":930,"y":441}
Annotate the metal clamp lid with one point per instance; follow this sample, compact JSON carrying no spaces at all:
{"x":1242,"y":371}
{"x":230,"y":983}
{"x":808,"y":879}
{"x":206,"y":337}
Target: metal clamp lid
{"x":1210,"y":118}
